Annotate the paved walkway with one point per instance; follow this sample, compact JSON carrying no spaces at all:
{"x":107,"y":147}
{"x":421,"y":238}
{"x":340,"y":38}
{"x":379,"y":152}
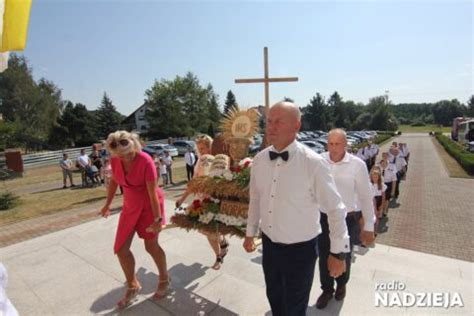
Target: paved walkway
{"x":435,"y":213}
{"x":74,"y":272}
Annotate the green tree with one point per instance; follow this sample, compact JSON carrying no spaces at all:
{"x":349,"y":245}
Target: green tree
{"x":214,"y":113}
{"x":445,"y":111}
{"x":33,"y":106}
{"x":315,"y":113}
{"x":382,"y":117}
{"x":470,"y":107}
{"x":230,"y":102}
{"x":107,"y":117}
{"x":339,"y":113}
{"x":180,"y":107}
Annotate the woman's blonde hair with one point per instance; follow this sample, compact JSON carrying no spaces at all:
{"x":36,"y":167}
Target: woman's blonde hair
{"x":134,"y":144}
{"x":377,"y":170}
{"x":204,"y":139}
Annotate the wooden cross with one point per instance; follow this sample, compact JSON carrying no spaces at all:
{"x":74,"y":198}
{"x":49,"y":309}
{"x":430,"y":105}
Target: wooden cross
{"x":266,"y":80}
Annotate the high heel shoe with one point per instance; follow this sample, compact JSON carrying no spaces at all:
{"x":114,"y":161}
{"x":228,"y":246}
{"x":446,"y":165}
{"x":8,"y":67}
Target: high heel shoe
{"x":130,"y":296}
{"x":163,"y":287}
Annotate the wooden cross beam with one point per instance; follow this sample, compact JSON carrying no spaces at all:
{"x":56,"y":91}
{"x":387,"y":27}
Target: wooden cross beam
{"x":266,"y":80}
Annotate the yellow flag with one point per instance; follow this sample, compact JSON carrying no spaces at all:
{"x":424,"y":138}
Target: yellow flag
{"x":15,"y":25}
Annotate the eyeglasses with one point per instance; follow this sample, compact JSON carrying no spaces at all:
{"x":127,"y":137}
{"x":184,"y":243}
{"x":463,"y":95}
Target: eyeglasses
{"x":122,"y":142}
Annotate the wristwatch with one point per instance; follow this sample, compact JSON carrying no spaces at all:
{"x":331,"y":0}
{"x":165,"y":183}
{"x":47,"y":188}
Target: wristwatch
{"x":340,"y":256}
{"x":157,"y":220}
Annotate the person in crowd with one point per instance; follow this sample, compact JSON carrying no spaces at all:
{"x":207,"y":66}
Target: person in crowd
{"x":363,"y":153}
{"x":389,"y":175}
{"x":373,"y":152}
{"x":106,"y":172}
{"x":288,"y":183}
{"x":84,"y":163}
{"x":352,"y":182}
{"x":400,"y":164}
{"x":218,"y":243}
{"x":378,"y":191}
{"x":190,"y":160}
{"x":97,"y":162}
{"x":404,"y":153}
{"x":168,"y":161}
{"x":142,"y":211}
{"x":66,"y":167}
{"x":163,"y":172}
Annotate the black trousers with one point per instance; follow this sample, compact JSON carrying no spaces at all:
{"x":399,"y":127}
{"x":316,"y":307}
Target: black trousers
{"x":397,"y":185}
{"x":324,"y":244}
{"x":189,"y":171}
{"x":289,"y":273}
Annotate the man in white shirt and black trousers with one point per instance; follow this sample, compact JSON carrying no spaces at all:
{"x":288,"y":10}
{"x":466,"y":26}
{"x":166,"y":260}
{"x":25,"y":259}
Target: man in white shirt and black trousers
{"x":353,"y":184}
{"x":288,"y":182}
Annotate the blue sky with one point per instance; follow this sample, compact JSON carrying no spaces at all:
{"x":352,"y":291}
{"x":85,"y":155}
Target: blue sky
{"x":419,"y":51}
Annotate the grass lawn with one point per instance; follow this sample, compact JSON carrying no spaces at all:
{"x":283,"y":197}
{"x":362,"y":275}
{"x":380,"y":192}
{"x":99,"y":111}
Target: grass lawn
{"x":423,"y":129}
{"x":40,"y":191}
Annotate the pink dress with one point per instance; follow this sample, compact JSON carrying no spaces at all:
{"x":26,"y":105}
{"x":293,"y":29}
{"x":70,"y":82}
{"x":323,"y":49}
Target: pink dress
{"x":136,"y":213}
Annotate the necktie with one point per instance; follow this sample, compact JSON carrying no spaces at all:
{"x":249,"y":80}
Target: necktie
{"x":274,"y":155}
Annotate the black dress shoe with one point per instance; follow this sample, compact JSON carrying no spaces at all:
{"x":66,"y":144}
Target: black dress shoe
{"x":323,"y":300}
{"x":340,"y":293}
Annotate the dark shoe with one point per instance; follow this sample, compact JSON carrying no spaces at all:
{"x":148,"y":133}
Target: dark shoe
{"x":323,"y":300}
{"x":340,"y":293}
{"x":64,"y":187}
{"x":73,"y":185}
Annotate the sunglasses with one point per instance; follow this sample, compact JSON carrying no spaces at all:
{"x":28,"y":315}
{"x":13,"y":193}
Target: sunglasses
{"x":122,"y":142}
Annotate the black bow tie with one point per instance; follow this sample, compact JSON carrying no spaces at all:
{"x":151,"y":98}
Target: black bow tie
{"x":274,"y":155}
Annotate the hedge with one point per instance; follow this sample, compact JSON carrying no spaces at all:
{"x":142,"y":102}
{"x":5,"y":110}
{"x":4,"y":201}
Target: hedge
{"x":458,"y":152}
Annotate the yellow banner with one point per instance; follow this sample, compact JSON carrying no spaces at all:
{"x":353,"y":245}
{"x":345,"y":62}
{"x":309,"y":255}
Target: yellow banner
{"x":15,"y":25}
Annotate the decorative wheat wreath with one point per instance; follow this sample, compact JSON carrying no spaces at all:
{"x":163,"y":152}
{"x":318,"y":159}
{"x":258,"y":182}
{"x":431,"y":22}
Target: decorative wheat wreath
{"x":239,"y":123}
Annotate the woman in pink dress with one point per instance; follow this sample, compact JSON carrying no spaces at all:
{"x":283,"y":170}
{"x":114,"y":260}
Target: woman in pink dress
{"x":142,"y":211}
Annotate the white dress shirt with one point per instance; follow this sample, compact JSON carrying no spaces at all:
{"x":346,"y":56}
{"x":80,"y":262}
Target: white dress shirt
{"x":84,"y":161}
{"x":376,"y":191}
{"x":190,"y":158}
{"x":353,"y":183}
{"x":399,"y":162}
{"x":389,"y":174}
{"x":285,"y":198}
{"x":373,"y":150}
{"x":362,"y":153}
{"x":168,"y":161}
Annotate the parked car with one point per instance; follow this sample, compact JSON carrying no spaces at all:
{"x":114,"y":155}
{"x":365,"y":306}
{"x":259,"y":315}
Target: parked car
{"x":182,"y":146}
{"x":159,"y":149}
{"x":315,"y":146}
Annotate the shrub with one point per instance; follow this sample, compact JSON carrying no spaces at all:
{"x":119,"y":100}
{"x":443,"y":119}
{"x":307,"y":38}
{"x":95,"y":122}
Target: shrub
{"x":458,"y":152}
{"x":8,"y":200}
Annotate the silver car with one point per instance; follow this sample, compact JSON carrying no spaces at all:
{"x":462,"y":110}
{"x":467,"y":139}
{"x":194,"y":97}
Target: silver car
{"x":182,"y":146}
{"x":160,"y":149}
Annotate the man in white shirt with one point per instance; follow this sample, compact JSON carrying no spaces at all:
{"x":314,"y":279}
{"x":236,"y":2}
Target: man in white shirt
{"x":373,"y":152}
{"x":288,"y":182}
{"x":401,"y":164}
{"x":190,"y":160}
{"x":353,"y":184}
{"x":168,"y":161}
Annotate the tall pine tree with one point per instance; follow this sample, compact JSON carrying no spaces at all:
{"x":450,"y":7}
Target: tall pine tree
{"x":230,"y":102}
{"x":108,"y":118}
